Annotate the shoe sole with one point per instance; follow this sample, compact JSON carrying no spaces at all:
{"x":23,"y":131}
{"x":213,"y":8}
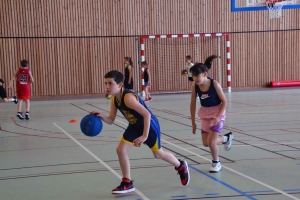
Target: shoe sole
{"x":215,"y":171}
{"x":187,"y":168}
{"x":123,"y":192}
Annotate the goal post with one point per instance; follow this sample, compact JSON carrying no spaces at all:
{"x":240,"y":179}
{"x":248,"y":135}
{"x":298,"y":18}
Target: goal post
{"x":165,"y":55}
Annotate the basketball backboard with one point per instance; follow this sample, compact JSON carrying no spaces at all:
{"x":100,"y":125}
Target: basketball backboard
{"x":255,"y":5}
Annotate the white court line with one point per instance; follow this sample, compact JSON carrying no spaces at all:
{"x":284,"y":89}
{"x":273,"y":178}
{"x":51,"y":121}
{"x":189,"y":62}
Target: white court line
{"x":232,"y":170}
{"x":98,"y":159}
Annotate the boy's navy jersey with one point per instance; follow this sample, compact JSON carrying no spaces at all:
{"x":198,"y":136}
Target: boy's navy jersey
{"x":146,"y":76}
{"x":210,"y":97}
{"x":133,"y":117}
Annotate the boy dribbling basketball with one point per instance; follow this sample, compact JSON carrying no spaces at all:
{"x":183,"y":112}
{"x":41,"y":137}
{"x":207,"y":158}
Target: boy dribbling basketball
{"x":143,"y":128}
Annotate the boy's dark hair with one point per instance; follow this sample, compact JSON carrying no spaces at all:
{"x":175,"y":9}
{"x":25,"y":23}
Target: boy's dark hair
{"x":200,"y":68}
{"x":116,"y":75}
{"x":1,"y":81}
{"x":144,"y":63}
{"x":129,"y":60}
{"x":189,"y":57}
{"x":24,"y":63}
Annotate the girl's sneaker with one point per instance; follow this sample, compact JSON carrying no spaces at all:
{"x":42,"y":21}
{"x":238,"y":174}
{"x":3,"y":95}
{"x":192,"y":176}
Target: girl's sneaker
{"x":215,"y":167}
{"x":228,"y":143}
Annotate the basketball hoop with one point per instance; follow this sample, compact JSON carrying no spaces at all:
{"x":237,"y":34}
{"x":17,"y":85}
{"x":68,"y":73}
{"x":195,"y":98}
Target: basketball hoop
{"x":275,"y":8}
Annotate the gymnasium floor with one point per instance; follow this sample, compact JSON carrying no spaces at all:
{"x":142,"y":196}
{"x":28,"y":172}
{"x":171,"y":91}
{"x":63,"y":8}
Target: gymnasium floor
{"x":47,"y":158}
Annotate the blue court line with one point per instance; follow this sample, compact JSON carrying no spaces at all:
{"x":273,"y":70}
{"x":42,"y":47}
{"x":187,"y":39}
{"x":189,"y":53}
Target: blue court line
{"x":181,"y":196}
{"x":293,"y":190}
{"x":223,"y":183}
{"x":213,"y":194}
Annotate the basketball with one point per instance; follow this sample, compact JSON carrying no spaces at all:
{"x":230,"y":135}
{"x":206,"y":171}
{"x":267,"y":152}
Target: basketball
{"x":108,"y":96}
{"x":184,"y":72}
{"x":91,"y":125}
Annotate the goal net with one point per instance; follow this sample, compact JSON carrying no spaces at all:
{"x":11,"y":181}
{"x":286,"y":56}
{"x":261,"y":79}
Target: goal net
{"x":165,"y":55}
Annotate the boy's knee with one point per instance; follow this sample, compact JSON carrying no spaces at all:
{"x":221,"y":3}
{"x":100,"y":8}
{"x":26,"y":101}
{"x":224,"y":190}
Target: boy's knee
{"x":157,"y":155}
{"x":119,"y":150}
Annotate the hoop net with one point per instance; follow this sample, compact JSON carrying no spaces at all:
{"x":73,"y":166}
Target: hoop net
{"x":275,"y":8}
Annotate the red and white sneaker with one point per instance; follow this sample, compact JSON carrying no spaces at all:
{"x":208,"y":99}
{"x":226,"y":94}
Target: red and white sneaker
{"x":183,"y":171}
{"x":126,"y":186}
{"x":146,"y":100}
{"x":150,"y":98}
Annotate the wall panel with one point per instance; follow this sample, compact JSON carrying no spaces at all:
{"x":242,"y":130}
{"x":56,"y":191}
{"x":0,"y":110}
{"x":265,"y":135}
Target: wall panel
{"x":72,"y":43}
{"x":66,"y":66}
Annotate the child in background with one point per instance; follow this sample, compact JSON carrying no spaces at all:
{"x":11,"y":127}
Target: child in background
{"x":146,"y":80}
{"x":189,"y":64}
{"x":24,"y":78}
{"x":128,"y":82}
{"x":3,"y":94}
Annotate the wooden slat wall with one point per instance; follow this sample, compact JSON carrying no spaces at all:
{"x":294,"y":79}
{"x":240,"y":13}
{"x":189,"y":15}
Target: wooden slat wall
{"x":38,"y":18}
{"x":72,"y":43}
{"x":259,"y":58}
{"x":66,"y":66}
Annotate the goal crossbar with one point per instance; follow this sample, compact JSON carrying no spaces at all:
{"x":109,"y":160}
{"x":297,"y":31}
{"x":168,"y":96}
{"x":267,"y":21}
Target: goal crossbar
{"x":226,"y":35}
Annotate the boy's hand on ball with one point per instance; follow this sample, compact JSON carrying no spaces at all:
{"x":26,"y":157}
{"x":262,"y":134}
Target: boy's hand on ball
{"x":95,"y":113}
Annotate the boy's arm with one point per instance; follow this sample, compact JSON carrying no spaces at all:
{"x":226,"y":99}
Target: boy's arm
{"x":31,"y":77}
{"x":112,"y":114}
{"x":132,"y":102}
{"x":221,"y":97}
{"x":193,"y":106}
